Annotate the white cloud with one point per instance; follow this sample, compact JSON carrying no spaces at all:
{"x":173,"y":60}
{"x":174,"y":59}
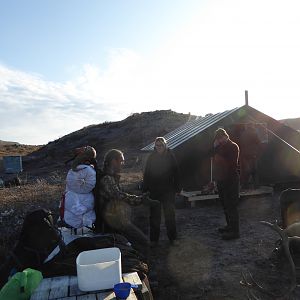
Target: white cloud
{"x":226,"y":48}
{"x":35,"y":111}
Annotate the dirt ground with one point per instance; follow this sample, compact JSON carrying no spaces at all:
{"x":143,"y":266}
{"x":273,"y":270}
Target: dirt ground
{"x":203,"y":266}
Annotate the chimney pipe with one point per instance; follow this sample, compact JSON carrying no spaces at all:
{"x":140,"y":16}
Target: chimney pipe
{"x":246,"y":98}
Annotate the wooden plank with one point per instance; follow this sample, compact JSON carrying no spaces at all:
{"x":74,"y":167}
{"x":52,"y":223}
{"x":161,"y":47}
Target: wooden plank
{"x":112,"y":296}
{"x":132,"y":295}
{"x":106,"y":296}
{"x":59,"y":287}
{"x":66,"y":288}
{"x":195,"y":196}
{"x":142,"y":291}
{"x":87,"y":297}
{"x":256,"y":192}
{"x":74,"y":290}
{"x":42,"y":291}
{"x":190,"y":194}
{"x":203,"y":197}
{"x":133,"y":278}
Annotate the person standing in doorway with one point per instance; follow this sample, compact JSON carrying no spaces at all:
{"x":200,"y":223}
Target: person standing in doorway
{"x":226,"y":157}
{"x":161,"y":179}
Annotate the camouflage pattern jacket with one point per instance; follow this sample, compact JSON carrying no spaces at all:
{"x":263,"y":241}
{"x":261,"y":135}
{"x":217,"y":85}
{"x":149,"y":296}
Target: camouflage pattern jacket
{"x":116,"y":202}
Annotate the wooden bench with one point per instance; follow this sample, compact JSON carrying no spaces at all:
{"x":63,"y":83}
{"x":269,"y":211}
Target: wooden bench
{"x":194,"y":196}
{"x":66,"y":288}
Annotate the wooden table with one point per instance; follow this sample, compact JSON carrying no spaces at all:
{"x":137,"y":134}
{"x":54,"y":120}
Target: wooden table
{"x":66,"y":288}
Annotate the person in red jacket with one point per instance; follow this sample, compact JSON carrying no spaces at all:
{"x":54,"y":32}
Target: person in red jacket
{"x":226,"y":157}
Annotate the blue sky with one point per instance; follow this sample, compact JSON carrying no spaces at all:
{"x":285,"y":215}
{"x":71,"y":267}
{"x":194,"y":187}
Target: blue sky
{"x":66,"y":64}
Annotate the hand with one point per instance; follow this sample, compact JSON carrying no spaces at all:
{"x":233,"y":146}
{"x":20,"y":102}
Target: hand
{"x":146,"y":194}
{"x":146,"y":200}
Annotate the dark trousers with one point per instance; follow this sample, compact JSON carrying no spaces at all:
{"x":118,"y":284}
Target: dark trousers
{"x":167,"y":203}
{"x":229,"y":197}
{"x":138,"y":239}
{"x":134,"y":235}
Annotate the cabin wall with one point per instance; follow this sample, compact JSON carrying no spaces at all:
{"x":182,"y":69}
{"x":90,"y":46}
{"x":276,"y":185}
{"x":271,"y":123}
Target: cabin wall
{"x":194,"y":159}
{"x":277,"y":162}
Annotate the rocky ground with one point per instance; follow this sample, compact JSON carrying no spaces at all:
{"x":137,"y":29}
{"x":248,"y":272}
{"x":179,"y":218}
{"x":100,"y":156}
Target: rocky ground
{"x":203,"y":266}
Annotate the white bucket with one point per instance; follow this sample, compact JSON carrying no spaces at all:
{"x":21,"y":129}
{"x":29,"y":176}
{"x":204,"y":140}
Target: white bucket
{"x":99,"y":269}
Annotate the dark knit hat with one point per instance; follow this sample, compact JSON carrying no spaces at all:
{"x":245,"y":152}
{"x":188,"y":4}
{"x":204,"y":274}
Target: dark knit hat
{"x":83,"y":155}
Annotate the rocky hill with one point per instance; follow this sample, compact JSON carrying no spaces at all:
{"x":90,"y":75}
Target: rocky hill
{"x":294,"y":123}
{"x":128,"y":135}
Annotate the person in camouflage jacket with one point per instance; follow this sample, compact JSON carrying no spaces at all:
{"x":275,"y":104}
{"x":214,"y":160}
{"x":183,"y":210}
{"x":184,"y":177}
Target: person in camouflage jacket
{"x":115,"y":204}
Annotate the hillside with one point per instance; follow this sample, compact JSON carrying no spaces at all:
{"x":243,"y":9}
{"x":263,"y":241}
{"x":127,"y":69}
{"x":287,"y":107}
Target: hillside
{"x":13,"y":148}
{"x":294,"y":123}
{"x":128,"y":135}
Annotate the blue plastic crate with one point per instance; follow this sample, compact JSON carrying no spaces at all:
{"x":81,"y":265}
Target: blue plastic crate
{"x":12,"y":164}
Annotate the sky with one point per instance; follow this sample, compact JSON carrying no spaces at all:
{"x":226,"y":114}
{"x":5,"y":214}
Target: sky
{"x":67,"y":64}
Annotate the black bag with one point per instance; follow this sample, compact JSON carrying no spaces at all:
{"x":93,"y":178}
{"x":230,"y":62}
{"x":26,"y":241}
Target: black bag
{"x":39,"y":236}
{"x":37,"y":239}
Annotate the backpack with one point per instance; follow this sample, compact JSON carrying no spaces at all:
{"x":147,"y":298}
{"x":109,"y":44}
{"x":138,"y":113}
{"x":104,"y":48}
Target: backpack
{"x":38,"y":238}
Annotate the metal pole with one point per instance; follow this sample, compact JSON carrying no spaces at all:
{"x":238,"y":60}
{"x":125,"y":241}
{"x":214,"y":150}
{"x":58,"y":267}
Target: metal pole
{"x":211,"y":169}
{"x":246,"y":97}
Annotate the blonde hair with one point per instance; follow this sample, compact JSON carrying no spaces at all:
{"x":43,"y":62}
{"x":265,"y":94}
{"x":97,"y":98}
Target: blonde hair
{"x":110,"y":155}
{"x":161,"y":139}
{"x":221,"y":132}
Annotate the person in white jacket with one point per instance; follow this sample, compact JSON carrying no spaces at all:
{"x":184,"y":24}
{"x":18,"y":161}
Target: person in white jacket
{"x":79,"y":198}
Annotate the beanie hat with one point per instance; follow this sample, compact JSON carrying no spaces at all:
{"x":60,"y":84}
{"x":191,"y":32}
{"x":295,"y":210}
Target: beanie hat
{"x":83,"y":155}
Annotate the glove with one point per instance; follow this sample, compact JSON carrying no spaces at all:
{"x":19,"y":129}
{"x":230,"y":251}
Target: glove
{"x":146,"y":200}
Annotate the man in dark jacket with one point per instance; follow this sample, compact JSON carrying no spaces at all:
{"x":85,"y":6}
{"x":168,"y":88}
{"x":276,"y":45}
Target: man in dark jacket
{"x":161,"y":179}
{"x":226,"y":156}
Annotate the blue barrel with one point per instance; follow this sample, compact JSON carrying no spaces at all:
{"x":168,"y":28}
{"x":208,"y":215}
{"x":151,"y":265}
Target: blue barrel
{"x":12,"y":164}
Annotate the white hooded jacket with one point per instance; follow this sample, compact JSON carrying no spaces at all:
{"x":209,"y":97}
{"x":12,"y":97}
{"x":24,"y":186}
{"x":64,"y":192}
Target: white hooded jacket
{"x":79,"y":198}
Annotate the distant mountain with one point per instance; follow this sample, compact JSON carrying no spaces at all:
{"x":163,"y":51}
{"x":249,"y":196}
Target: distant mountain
{"x":2,"y":143}
{"x":293,"y":123}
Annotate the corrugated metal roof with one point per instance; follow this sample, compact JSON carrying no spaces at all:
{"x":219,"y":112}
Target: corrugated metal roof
{"x":190,"y":129}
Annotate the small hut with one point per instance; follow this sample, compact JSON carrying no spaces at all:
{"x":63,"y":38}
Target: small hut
{"x":274,"y":145}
